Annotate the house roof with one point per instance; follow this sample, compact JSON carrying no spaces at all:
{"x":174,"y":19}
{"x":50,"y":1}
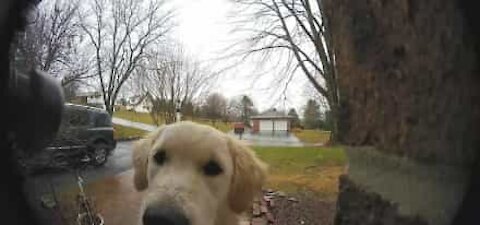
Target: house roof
{"x":272,"y":114}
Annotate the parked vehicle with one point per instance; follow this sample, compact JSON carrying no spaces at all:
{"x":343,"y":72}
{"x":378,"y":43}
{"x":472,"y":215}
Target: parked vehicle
{"x":86,"y":134}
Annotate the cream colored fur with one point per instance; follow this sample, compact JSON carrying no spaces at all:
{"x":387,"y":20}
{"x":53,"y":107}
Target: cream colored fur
{"x":205,"y":200}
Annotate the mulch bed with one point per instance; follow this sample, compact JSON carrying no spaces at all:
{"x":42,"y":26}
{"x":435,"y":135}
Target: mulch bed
{"x":276,"y":208}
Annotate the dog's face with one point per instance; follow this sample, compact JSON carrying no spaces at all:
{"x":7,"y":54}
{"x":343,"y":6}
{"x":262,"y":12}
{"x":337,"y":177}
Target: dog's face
{"x":194,"y":174}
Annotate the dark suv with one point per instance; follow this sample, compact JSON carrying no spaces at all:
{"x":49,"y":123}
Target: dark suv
{"x":85,"y":135}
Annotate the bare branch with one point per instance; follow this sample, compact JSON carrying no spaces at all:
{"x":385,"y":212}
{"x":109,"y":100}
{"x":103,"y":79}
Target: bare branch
{"x":121,"y":33}
{"x":51,"y":42}
{"x":294,"y":29}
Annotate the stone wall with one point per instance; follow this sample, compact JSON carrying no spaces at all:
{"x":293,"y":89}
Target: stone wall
{"x":409,"y":81}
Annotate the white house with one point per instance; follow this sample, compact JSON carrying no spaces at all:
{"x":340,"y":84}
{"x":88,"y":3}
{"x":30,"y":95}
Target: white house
{"x":139,"y":103}
{"x":271,"y":122}
{"x":93,"y":98}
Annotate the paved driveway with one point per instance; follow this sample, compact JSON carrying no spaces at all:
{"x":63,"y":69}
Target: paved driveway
{"x":45,"y":184}
{"x":280,"y":140}
{"x":128,"y":123}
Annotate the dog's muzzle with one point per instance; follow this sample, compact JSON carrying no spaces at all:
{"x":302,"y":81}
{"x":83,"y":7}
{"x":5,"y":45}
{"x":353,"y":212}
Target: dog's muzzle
{"x":164,"y":215}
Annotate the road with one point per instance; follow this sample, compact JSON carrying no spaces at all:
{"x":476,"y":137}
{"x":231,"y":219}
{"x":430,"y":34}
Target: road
{"x":45,"y":184}
{"x":137,"y":125}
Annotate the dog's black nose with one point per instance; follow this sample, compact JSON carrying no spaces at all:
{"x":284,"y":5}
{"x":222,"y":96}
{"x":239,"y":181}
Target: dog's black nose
{"x":164,"y":215}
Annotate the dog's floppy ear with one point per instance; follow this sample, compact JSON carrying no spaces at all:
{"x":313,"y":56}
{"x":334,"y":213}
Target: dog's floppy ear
{"x":249,"y":174}
{"x":141,"y":150}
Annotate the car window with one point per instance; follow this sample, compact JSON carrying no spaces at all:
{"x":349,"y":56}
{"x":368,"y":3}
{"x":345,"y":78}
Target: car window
{"x":102,"y":120}
{"x":76,"y":118}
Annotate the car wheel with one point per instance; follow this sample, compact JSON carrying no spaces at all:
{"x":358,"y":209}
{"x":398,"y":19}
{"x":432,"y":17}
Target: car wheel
{"x":100,"y":154}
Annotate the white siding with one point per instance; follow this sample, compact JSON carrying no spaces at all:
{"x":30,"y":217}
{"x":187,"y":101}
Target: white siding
{"x":95,"y":100}
{"x":281,"y":125}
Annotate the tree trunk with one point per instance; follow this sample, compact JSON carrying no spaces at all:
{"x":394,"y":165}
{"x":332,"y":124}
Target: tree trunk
{"x":109,"y":109}
{"x":334,"y":132}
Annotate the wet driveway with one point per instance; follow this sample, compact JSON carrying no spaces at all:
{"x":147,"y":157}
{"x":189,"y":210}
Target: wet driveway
{"x":280,"y":139}
{"x":111,"y":187}
{"x":137,"y":125}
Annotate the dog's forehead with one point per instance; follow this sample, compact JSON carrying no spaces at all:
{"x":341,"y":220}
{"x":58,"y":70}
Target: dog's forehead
{"x":193,"y":141}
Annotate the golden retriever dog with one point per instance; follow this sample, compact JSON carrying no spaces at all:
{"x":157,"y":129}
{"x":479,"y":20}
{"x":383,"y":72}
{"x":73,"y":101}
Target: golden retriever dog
{"x":193,"y":174}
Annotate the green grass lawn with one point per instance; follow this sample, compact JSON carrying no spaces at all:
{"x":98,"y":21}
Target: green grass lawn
{"x":145,"y":118}
{"x":314,"y":169}
{"x":313,"y":136}
{"x":222,"y":126}
{"x":134,"y":116}
{"x":122,"y":132}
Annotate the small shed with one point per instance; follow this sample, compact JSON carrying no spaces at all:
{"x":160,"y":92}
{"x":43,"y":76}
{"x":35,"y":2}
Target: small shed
{"x":271,"y":122}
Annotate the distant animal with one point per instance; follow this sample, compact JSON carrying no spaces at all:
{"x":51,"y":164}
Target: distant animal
{"x":193,"y":174}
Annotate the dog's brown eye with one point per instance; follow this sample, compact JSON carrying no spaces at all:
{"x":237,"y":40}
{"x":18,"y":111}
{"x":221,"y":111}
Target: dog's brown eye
{"x":160,"y":157}
{"x":212,"y":168}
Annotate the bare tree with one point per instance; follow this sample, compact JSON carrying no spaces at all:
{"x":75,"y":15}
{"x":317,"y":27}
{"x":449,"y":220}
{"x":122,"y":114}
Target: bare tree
{"x":311,"y":115}
{"x":234,"y":109}
{"x":170,"y":77}
{"x":215,"y":106}
{"x":120,"y":32}
{"x":295,"y":118}
{"x":298,"y":29}
{"x":50,"y":42}
{"x":241,"y":108}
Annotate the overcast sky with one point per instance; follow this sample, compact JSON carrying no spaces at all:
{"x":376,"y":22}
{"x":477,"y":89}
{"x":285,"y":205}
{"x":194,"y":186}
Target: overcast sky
{"x":205,"y":29}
